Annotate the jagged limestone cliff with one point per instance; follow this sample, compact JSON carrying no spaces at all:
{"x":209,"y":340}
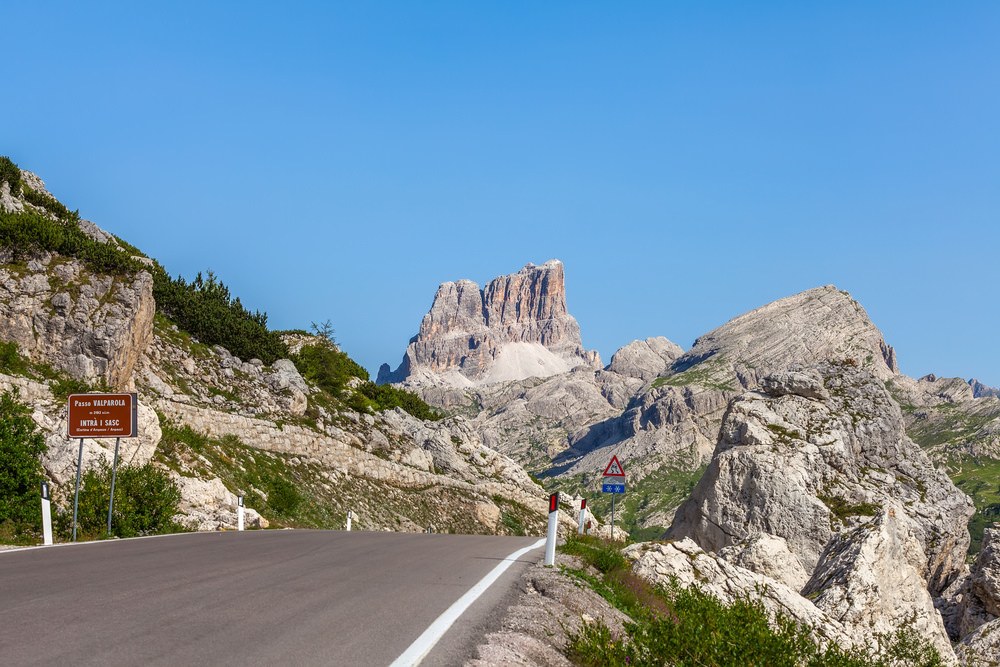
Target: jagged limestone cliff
{"x":517,"y":327}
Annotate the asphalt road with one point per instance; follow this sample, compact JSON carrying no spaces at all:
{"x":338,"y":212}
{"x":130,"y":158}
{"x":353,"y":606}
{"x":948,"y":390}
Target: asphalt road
{"x":251,"y":598}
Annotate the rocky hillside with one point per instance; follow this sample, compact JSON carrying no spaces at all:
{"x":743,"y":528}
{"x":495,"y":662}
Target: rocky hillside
{"x":659,"y":408}
{"x":303,"y":454}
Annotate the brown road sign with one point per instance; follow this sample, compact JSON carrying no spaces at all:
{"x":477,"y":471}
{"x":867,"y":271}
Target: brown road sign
{"x":103,"y":416}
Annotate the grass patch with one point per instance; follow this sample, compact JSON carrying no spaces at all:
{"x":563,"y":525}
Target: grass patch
{"x":270,"y":484}
{"x":711,"y":374}
{"x":980,"y":480}
{"x":516,"y":518}
{"x":949,"y":425}
{"x":843,"y":509}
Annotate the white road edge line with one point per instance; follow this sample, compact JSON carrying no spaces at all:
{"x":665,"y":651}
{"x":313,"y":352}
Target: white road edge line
{"x":82,"y":543}
{"x":419,"y":649}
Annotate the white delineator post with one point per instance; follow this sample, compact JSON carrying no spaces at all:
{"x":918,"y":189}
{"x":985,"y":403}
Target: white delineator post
{"x":583,"y":516}
{"x":46,"y":515}
{"x":239,"y":513}
{"x":550,"y":537}
{"x":350,"y":515}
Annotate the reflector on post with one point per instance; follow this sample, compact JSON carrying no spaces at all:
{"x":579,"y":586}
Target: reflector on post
{"x":550,"y":537}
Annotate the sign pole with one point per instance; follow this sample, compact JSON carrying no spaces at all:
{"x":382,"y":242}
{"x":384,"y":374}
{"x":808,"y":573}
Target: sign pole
{"x":76,"y":498}
{"x":612,"y":516}
{"x":114,"y":475}
{"x":46,"y":515}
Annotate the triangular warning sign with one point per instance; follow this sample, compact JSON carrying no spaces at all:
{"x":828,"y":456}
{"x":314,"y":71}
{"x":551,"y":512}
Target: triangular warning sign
{"x":614,"y":468}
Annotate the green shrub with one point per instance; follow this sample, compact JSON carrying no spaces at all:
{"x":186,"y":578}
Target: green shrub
{"x":10,"y":173}
{"x":21,"y":449}
{"x":387,"y":397}
{"x":11,"y":361}
{"x":29,"y":232}
{"x":50,"y":204}
{"x":282,"y":496}
{"x":65,"y":386}
{"x":146,"y":500}
{"x":330,"y":369}
{"x":205,"y":309}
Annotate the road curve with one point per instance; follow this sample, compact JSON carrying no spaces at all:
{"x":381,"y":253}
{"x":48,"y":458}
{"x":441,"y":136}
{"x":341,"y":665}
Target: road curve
{"x":251,"y":598}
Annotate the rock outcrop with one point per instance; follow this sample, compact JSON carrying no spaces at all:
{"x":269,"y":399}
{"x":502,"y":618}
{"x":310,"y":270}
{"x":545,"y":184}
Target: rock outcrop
{"x":645,"y":359}
{"x":985,"y":576}
{"x":807,"y":465}
{"x":517,"y":327}
{"x":94,"y":327}
{"x":982,"y":647}
{"x":872,"y":581}
{"x":683,"y":562}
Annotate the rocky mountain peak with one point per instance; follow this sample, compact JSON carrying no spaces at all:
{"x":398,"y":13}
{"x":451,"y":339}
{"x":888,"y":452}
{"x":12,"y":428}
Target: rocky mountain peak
{"x":980,"y":390}
{"x":816,"y":325}
{"x":516,"y":327}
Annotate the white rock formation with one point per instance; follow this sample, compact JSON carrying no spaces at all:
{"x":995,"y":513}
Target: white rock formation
{"x":806,"y":469}
{"x":871,"y":579}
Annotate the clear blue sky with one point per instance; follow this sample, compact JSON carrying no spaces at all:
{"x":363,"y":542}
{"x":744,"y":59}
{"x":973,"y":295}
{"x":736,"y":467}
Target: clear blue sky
{"x":687,"y":161}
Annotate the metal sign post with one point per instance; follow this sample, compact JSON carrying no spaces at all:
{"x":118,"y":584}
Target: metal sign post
{"x":114,"y":475}
{"x":76,"y":497}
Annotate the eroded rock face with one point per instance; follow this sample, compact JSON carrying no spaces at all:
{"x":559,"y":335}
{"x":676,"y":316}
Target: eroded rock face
{"x":985,"y":579}
{"x":806,"y":470}
{"x":871,"y":579}
{"x":817,"y":325}
{"x":768,"y":555}
{"x":982,"y":647}
{"x":515,"y":328}
{"x":980,"y":390}
{"x":206,"y":504}
{"x":94,"y":327}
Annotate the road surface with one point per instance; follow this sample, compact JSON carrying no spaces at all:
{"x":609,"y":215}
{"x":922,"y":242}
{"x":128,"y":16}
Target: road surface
{"x":250,"y":598}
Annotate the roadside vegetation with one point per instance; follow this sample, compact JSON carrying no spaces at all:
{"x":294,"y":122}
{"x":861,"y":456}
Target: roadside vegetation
{"x":672,"y":625}
{"x":21,"y":449}
{"x":270,"y":483}
{"x":146,"y":501}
